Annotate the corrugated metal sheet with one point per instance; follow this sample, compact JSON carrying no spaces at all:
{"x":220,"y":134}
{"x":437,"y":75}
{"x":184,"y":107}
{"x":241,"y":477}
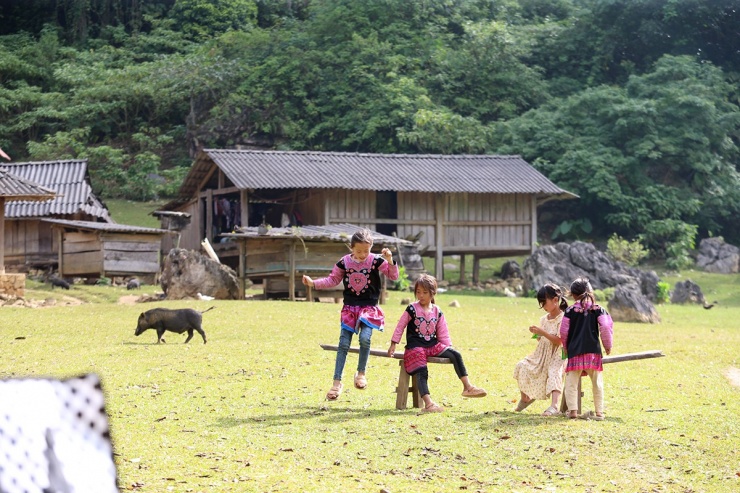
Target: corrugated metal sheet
{"x":107,"y":227}
{"x":252,"y":169}
{"x":335,"y":232}
{"x":69,"y":179}
{"x":14,"y":187}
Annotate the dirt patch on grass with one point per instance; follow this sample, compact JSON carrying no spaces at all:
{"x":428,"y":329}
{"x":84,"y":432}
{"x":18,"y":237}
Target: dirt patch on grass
{"x":733,"y":375}
{"x":128,"y":299}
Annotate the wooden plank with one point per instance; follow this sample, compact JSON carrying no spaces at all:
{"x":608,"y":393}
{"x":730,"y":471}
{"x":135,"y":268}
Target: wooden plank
{"x":132,"y":245}
{"x":133,"y":267}
{"x":384,"y":354}
{"x":133,"y":256}
{"x":632,"y":356}
{"x":82,"y":263}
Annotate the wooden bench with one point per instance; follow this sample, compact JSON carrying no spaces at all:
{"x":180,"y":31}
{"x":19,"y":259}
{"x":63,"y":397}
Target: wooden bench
{"x":617,"y":358}
{"x":403,"y":388}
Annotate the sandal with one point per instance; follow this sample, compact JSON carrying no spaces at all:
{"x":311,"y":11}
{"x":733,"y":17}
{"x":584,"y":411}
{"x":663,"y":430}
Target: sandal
{"x":360,"y":381}
{"x":474,"y":392}
{"x":521,"y":405}
{"x":591,"y":416}
{"x":334,"y":392}
{"x":434,"y":408}
{"x":551,"y":411}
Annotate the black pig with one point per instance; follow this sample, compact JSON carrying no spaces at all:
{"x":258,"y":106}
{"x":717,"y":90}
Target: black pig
{"x":178,"y":321}
{"x":61,"y":283}
{"x":133,"y":284}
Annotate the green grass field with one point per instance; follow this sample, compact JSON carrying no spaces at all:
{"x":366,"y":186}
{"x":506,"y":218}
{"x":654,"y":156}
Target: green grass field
{"x":246,"y":412}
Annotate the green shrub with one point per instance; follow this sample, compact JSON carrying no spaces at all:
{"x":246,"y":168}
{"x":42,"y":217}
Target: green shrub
{"x":625,"y":251}
{"x":603,"y":295}
{"x":664,"y":292}
{"x":403,"y":283}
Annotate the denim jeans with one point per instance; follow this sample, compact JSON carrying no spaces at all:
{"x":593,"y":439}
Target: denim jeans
{"x":345,"y":339}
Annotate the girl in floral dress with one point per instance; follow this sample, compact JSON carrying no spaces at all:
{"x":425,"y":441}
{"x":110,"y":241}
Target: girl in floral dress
{"x":540,"y":375}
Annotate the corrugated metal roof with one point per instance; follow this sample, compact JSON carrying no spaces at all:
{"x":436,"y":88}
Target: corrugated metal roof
{"x":14,"y":188}
{"x":335,"y":232}
{"x":107,"y":227}
{"x":253,"y":169}
{"x":69,"y":179}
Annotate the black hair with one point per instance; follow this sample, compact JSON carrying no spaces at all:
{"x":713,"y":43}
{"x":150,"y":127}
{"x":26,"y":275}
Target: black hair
{"x":427,"y":282}
{"x":581,"y":290}
{"x":362,"y":236}
{"x":550,"y":291}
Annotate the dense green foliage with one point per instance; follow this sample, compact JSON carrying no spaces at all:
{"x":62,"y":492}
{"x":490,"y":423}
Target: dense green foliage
{"x":631,"y":104}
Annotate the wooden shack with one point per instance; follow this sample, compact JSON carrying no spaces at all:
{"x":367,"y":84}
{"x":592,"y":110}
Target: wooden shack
{"x":29,"y":242}
{"x":484,"y":205}
{"x":280,"y":257}
{"x":91,"y":249}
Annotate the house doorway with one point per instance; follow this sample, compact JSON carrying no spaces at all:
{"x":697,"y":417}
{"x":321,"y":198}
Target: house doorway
{"x":386,"y":207}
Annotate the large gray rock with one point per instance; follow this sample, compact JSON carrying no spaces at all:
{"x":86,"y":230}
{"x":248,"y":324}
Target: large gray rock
{"x":687,"y":292}
{"x":187,"y":273}
{"x":717,"y":256}
{"x":628,"y":305}
{"x":563,"y":262}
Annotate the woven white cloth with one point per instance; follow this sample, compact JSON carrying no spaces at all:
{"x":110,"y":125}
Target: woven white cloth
{"x":54,"y":437}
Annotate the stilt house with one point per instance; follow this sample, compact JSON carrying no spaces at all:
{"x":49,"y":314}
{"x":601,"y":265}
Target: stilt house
{"x":484,"y":205}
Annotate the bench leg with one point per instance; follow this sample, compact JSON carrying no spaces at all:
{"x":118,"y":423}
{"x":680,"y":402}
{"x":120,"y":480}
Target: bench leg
{"x":402,"y":391}
{"x":415,"y":392}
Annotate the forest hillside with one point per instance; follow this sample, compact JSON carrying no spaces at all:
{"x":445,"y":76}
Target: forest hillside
{"x":630,"y":104}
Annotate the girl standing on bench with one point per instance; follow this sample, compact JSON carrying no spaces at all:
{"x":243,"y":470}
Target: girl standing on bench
{"x":584,"y":323}
{"x":360,"y":272}
{"x":540,"y":375}
{"x":427,"y":336}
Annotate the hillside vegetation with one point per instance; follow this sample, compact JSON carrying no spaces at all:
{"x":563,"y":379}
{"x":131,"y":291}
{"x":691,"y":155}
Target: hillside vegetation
{"x":630,"y":104}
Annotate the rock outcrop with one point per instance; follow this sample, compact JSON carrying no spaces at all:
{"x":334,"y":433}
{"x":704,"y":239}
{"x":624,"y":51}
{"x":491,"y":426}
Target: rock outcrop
{"x":187,"y":273}
{"x":718,"y":257}
{"x":563,"y":262}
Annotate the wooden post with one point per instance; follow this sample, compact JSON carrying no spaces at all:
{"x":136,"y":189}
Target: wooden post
{"x":439,"y":235}
{"x":209,"y":215}
{"x":60,"y":240}
{"x":291,"y":271}
{"x":242,"y":267}
{"x":244,"y":208}
{"x":476,"y":269}
{"x":462,"y":269}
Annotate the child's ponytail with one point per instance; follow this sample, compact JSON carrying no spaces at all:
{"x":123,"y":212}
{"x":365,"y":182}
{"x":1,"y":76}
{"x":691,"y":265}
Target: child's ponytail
{"x":582,"y":291}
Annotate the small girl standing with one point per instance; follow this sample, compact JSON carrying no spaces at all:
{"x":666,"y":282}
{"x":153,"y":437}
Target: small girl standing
{"x":540,"y":375}
{"x":427,"y":336}
{"x":583,"y":324}
{"x":360,"y":272}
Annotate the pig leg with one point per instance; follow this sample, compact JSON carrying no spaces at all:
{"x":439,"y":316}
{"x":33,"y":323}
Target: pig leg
{"x":160,"y":333}
{"x":190,"y":336}
{"x":203,"y":334}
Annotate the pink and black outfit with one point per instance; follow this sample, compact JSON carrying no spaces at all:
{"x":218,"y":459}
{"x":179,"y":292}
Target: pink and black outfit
{"x":427,"y":336}
{"x":360,"y":313}
{"x":585,"y":327}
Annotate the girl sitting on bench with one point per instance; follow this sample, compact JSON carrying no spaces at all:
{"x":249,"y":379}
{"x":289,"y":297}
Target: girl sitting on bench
{"x":427,"y":336}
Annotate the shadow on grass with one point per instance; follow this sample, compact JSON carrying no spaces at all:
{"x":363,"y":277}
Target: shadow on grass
{"x":497,"y":419}
{"x":324,"y":412}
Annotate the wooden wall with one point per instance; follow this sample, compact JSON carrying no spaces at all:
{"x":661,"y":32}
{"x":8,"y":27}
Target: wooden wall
{"x":125,"y":254}
{"x":82,"y":254}
{"x":28,"y":242}
{"x":109,"y":254}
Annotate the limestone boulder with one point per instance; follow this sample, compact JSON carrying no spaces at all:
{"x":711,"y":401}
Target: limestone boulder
{"x":561,"y":263}
{"x":188,"y":274}
{"x":687,"y":292}
{"x":628,"y":305}
{"x":714,"y":255}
